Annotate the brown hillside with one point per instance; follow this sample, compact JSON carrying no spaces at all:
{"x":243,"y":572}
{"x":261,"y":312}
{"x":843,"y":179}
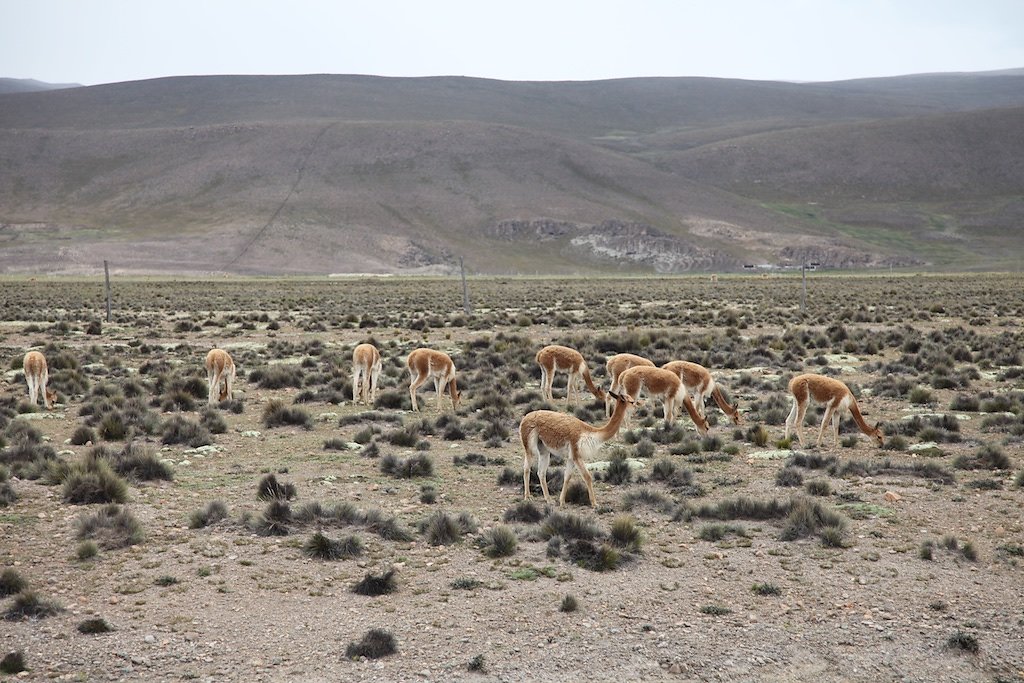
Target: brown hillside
{"x":313,"y":174}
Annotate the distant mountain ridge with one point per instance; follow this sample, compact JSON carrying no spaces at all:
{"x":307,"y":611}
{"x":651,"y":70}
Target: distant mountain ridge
{"x":9,"y":85}
{"x":327,"y":174}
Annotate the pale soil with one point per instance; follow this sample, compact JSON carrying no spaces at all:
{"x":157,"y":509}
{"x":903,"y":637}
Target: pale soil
{"x":256,"y":608}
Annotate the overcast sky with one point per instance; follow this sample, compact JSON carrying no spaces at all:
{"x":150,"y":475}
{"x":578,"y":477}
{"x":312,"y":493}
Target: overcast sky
{"x":104,"y":41}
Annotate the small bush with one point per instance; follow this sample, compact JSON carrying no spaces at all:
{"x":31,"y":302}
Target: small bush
{"x":476,"y":664}
{"x":653,"y":499}
{"x":270,"y":489}
{"x":569,"y":604}
{"x":618,"y":471}
{"x":766,"y":589}
{"x":715,"y":610}
{"x":404,"y":438}
{"x":29,"y":605}
{"x":988,"y":457}
{"x":83,"y":435}
{"x":321,"y":547}
{"x":276,"y":414}
{"x":277,"y":377}
{"x":274,"y":519}
{"x":466,"y":584}
{"x":139,"y":462}
{"x":87,"y":550}
{"x":442,"y":528}
{"x":758,"y":436}
{"x":895,"y":443}
{"x":969,"y":552}
{"x":94,"y":626}
{"x":963,"y":641}
{"x":818,"y":487}
{"x":644,"y":449}
{"x":428,"y":494}
{"x":919,"y":396}
{"x":214,"y":511}
{"x":965,"y":403}
{"x":377,"y":585}
{"x":112,"y":426}
{"x":597,"y":557}
{"x":179,"y":430}
{"x":385,"y":527}
{"x":112,"y":526}
{"x":406,"y":468}
{"x":375,"y":644}
{"x":568,"y":526}
{"x":500,"y":541}
{"x":11,"y":583}
{"x":717,"y":531}
{"x":7,"y":493}
{"x":789,"y":476}
{"x":743,"y":507}
{"x":807,"y":517}
{"x":832,"y":536}
{"x":92,"y":480}
{"x":525,"y":511}
{"x":13,"y":663}
{"x":625,"y":534}
{"x":213,"y":421}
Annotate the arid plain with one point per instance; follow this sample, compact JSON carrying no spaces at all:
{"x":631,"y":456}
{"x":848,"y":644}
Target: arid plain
{"x":238,"y":534}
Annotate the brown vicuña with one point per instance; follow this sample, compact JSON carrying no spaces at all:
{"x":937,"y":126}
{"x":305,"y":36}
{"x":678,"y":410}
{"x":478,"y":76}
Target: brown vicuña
{"x":700,"y":384}
{"x":36,"y":376}
{"x":837,"y":398}
{"x":366,"y":366}
{"x":665,"y":385}
{"x":553,"y":358}
{"x":544,"y":432}
{"x":220,"y":375}
{"x":426,"y":363}
{"x":616,"y":365}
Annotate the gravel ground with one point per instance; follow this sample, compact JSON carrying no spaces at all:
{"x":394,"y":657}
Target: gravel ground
{"x":241,"y":606}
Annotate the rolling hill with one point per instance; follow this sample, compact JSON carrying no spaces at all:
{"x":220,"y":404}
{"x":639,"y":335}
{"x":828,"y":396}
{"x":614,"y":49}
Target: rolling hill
{"x":325,"y":174}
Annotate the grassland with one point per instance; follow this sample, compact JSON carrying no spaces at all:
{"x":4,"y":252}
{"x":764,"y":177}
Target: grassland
{"x":736,"y":556}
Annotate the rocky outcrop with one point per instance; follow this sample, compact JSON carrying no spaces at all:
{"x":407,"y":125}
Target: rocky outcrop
{"x":618,"y":242}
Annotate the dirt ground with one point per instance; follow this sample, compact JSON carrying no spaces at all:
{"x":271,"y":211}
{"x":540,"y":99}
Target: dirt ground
{"x":225,"y":603}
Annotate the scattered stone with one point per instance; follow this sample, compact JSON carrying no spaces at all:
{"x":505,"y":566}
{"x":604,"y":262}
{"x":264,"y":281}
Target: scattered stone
{"x":602,"y":465}
{"x":776,"y":454}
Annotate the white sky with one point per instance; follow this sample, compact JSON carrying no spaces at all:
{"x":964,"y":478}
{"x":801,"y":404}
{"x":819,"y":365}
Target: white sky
{"x":104,"y":41}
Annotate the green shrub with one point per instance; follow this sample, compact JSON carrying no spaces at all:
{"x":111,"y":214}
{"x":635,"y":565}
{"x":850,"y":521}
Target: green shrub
{"x":500,"y":541}
{"x":11,"y":582}
{"x":766,"y":589}
{"x":112,"y":526}
{"x":30,"y":605}
{"x":178,"y":430}
{"x":276,"y":414}
{"x":214,"y":511}
{"x":625,"y":534}
{"x":321,"y":547}
{"x":93,"y":480}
